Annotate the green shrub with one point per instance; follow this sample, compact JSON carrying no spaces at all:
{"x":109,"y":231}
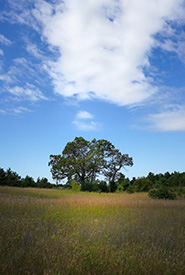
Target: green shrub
{"x":119,"y":188}
{"x":181,"y":192}
{"x":162,"y":192}
{"x":75,"y":186}
{"x":130,"y":189}
{"x":142,"y":185}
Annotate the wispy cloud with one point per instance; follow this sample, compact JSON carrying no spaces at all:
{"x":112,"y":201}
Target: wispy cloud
{"x":33,"y":50}
{"x":20,"y":13}
{"x":83,"y":121}
{"x":1,"y":52}
{"x":84,"y":126}
{"x":21,"y":109}
{"x":24,"y":80}
{"x":172,"y":119}
{"x":14,"y":110}
{"x":29,"y":92}
{"x":5,"y":40}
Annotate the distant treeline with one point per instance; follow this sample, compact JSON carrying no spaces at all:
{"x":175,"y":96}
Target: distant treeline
{"x":142,"y":184}
{"x":11,"y":178}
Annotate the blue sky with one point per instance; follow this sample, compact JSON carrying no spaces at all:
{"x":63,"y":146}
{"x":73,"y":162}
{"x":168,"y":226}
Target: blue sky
{"x":104,"y":69}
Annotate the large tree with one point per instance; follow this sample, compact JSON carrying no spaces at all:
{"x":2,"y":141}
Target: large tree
{"x":82,"y":159}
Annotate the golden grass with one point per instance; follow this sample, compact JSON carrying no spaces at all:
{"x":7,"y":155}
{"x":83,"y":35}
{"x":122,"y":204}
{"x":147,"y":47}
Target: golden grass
{"x":63,"y":232}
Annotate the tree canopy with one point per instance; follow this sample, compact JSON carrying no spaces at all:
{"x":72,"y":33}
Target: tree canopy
{"x":84,"y":160}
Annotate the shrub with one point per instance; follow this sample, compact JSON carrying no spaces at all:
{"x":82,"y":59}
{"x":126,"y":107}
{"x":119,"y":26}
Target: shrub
{"x":75,"y":186}
{"x":130,"y":189}
{"x":162,"y":192}
{"x":181,"y":192}
{"x":112,"y":186}
{"x":103,"y":186}
{"x":95,"y":188}
{"x":120,"y":188}
{"x":142,"y":185}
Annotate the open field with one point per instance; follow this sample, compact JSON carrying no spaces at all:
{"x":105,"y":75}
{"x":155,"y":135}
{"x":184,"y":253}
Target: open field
{"x":59,"y":232}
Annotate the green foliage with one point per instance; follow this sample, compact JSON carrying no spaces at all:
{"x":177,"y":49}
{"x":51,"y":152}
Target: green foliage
{"x":180,"y":192}
{"x":85,"y":160}
{"x":123,"y":183}
{"x":95,"y":186}
{"x":75,"y":187}
{"x":43,"y":183}
{"x":28,"y":182}
{"x":2,"y":177}
{"x":173,"y":180}
{"x":112,"y":186}
{"x":11,"y":178}
{"x":103,"y":186}
{"x":162,"y":192}
{"x":119,"y":188}
{"x":130,"y":189}
{"x":142,"y":185}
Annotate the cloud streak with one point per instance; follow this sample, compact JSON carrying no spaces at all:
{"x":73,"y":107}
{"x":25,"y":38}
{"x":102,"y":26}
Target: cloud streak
{"x":172,"y":119}
{"x":29,"y":92}
{"x":4,"y":40}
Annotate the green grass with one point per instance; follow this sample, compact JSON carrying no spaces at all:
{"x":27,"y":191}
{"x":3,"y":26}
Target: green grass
{"x":64,"y":232}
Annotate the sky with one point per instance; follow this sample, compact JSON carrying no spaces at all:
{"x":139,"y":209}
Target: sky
{"x":104,"y":69}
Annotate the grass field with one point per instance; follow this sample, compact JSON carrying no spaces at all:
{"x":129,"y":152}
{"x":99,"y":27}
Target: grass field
{"x":62,"y":232}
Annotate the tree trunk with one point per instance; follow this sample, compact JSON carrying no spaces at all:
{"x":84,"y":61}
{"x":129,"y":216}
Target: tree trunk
{"x":82,"y":181}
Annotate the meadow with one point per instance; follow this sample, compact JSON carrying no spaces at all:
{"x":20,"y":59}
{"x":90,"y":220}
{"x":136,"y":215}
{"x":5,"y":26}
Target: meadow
{"x":55,"y":232}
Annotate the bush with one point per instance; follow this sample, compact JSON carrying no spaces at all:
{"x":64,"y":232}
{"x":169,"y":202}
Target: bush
{"x":120,"y":188}
{"x":181,"y":192}
{"x":142,"y":185}
{"x":130,"y":189}
{"x":112,"y":186}
{"x":162,"y":192}
{"x":103,"y":186}
{"x":75,"y":186}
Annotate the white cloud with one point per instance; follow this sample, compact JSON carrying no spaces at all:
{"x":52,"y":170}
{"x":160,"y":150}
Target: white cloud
{"x":84,"y":115}
{"x":2,"y":111}
{"x":168,"y":120}
{"x":84,"y":126}
{"x":20,"y":12}
{"x":14,"y":110}
{"x":21,"y":109}
{"x":104,"y":45}
{"x":29,"y":92}
{"x":1,"y":52}
{"x":83,"y":121}
{"x":33,"y":50}
{"x":5,"y":40}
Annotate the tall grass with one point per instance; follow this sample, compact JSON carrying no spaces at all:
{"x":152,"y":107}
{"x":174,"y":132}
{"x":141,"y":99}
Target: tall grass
{"x":63,"y":232}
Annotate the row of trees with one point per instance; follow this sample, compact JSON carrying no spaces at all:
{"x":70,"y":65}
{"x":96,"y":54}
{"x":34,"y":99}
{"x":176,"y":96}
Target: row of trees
{"x":11,"y":178}
{"x":152,"y":183}
{"x":173,"y":180}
